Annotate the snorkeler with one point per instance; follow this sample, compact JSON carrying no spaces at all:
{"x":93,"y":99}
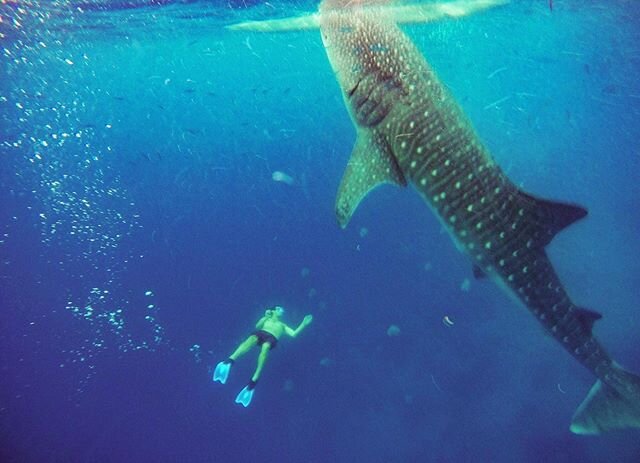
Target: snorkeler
{"x":269,"y":329}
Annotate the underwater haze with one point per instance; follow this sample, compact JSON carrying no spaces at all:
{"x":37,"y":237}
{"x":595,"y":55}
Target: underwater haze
{"x":163,"y":180}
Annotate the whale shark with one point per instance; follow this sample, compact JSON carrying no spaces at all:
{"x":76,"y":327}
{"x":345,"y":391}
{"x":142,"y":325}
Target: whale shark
{"x":411,"y":131}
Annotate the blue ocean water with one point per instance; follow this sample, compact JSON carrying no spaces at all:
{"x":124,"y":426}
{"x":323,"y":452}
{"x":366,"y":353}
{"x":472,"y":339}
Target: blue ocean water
{"x":163,"y":180}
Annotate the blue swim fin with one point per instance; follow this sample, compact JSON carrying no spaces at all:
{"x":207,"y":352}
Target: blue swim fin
{"x":221,"y":372}
{"x":246,"y":394}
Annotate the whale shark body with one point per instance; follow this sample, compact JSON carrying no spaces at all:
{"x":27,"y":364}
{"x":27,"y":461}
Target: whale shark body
{"x":411,"y":131}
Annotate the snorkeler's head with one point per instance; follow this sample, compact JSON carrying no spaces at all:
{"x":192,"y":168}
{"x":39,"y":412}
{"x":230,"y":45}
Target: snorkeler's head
{"x":275,"y":310}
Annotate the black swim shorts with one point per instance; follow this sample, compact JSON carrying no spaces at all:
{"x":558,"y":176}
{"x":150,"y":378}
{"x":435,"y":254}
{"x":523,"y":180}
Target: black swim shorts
{"x":264,"y":336}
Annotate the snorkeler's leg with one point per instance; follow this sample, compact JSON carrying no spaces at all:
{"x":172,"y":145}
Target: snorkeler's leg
{"x":262,"y":358}
{"x":244,"y":347}
{"x":221,"y":372}
{"x":246,"y":394}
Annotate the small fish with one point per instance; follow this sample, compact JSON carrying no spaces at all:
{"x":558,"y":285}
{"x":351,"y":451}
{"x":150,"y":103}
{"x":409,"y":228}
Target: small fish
{"x":278,"y":176}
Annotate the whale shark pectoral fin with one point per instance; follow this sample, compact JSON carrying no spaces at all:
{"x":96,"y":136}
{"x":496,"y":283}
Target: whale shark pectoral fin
{"x":430,"y":12}
{"x":550,"y":216}
{"x":402,"y":14}
{"x":296,"y":23}
{"x":371,"y":164}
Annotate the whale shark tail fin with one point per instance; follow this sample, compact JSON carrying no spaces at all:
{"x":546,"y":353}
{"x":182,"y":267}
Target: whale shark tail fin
{"x":608,"y":406}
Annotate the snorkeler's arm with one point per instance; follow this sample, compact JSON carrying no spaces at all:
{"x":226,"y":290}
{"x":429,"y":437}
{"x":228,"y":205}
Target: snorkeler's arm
{"x":260,"y":323}
{"x":293,"y":333}
{"x":267,"y":314}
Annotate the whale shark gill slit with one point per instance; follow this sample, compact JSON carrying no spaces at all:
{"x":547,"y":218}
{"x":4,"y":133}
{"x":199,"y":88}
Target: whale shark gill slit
{"x":355,"y":87}
{"x":372,"y":98}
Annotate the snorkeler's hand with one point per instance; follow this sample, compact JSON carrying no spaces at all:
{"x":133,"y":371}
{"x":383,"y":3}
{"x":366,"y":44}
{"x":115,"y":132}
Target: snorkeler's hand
{"x":307,"y":319}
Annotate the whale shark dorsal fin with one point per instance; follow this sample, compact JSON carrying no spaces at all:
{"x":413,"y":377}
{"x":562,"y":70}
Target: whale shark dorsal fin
{"x":371,"y":164}
{"x":587,"y":317}
{"x":550,"y":216}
